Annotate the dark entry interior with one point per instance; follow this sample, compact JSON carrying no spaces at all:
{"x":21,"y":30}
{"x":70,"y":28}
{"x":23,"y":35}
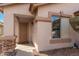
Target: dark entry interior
{"x":23,"y":33}
{"x":25,"y":29}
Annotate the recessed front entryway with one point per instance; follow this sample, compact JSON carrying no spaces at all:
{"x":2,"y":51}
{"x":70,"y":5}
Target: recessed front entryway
{"x":24,"y":29}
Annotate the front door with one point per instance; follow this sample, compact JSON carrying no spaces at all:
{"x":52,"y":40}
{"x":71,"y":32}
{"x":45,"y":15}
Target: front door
{"x":23,"y":33}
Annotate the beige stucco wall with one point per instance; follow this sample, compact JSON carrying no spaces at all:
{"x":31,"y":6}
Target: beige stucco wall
{"x":44,"y":36}
{"x":9,"y":12}
{"x":65,"y":7}
{"x":44,"y":28}
{"x":41,"y":30}
{"x":34,"y":36}
{"x":16,"y":24}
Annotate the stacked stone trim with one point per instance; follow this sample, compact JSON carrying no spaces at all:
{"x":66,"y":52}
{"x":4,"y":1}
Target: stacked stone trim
{"x":7,"y":45}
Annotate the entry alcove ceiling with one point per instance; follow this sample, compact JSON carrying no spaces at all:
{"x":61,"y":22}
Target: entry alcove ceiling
{"x":24,"y":18}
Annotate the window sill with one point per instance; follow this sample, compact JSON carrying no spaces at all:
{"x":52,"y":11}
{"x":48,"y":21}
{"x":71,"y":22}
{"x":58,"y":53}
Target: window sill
{"x":59,"y":40}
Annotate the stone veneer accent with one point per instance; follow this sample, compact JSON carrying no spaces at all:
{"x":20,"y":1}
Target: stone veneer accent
{"x":7,"y":45}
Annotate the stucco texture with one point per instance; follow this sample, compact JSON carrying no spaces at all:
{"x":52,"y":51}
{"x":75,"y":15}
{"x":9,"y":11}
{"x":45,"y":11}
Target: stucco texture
{"x":44,"y":28}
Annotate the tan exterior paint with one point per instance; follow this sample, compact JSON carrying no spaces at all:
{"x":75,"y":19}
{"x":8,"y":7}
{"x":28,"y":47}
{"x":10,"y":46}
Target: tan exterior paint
{"x":65,"y":7}
{"x":44,"y":33}
{"x":34,"y":36}
{"x":44,"y":28}
{"x":40,"y":31}
{"x":44,"y":37}
{"x":9,"y":12}
{"x":10,"y":20}
{"x":16,"y":29}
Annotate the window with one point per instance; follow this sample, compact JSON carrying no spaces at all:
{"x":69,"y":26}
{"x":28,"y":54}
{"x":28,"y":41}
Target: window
{"x":55,"y":26}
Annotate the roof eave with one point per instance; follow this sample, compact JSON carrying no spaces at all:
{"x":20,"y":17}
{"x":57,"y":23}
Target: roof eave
{"x":5,"y":4}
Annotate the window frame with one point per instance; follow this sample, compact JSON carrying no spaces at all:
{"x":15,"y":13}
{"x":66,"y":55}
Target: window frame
{"x":50,"y":14}
{"x":58,"y":40}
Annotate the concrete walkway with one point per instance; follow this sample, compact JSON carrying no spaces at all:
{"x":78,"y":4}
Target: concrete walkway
{"x":24,"y":50}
